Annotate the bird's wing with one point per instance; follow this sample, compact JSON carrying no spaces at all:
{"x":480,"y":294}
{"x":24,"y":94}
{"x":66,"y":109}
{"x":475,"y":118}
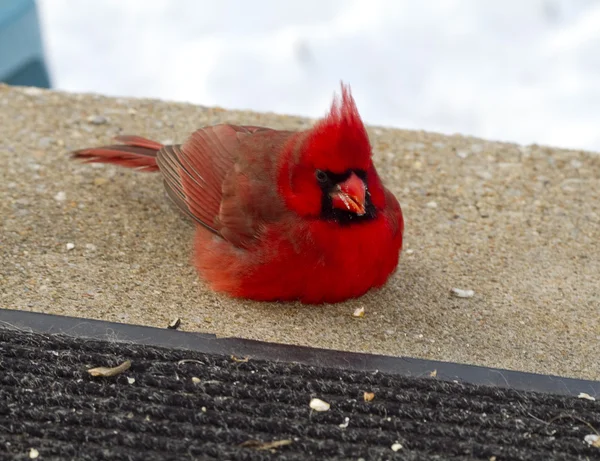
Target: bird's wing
{"x":394,"y":214}
{"x":221,"y":177}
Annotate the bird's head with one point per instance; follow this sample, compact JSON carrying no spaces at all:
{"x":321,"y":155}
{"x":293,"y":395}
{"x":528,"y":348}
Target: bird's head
{"x":328,"y":171}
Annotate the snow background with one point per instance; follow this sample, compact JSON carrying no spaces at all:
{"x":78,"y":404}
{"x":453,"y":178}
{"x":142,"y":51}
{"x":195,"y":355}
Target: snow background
{"x":525,"y":71}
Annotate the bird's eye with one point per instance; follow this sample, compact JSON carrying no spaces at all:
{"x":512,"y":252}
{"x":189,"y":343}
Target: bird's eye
{"x":321,"y":176}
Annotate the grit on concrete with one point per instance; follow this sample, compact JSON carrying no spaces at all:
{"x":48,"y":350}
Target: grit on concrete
{"x":518,"y":225}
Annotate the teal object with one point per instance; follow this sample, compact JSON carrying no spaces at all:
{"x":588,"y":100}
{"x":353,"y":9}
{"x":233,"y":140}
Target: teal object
{"x":22,"y":60}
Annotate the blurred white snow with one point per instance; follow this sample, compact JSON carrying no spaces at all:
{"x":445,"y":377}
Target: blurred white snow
{"x":525,"y":71}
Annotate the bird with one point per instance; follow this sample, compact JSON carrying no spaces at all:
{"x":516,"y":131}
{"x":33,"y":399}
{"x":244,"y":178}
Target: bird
{"x":280,"y":215}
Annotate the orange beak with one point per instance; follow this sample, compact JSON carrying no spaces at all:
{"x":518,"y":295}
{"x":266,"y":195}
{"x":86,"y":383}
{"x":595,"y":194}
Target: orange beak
{"x":350,"y":195}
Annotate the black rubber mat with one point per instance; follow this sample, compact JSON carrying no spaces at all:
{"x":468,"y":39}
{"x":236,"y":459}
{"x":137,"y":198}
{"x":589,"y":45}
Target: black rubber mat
{"x":183,"y":404}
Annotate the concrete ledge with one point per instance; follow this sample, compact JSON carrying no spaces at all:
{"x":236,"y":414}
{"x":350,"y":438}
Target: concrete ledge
{"x":518,"y":225}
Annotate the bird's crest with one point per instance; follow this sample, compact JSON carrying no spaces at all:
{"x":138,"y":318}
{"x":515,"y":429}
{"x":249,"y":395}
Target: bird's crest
{"x":340,"y":141}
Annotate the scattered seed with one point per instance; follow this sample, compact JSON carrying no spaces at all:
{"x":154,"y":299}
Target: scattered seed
{"x":239,"y":360}
{"x":100,"y":181}
{"x":462,"y":293}
{"x":319,"y":405}
{"x":409,"y":251}
{"x":174,"y":324}
{"x":592,"y":440}
{"x":432,"y":205}
{"x":70,"y":246}
{"x":130,"y":380}
{"x":258,"y":445}
{"x":583,"y":395}
{"x":397,"y":446}
{"x":106,"y":372}
{"x":33,"y":453}
{"x":184,"y":361}
{"x":344,"y":425}
{"x":97,"y":119}
{"x":195,"y":380}
{"x":368,"y":396}
{"x":359,"y":312}
{"x":433,"y":374}
{"x":60,"y":196}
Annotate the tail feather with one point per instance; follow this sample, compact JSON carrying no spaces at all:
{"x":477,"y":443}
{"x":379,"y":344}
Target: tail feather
{"x":138,"y":141}
{"x":135,"y":152}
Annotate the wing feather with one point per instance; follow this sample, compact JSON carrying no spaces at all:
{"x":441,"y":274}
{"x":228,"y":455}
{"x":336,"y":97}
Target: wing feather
{"x":211,"y":179}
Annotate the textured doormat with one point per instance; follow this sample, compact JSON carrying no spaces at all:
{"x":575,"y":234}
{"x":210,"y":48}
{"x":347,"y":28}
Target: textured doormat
{"x":208,"y":403}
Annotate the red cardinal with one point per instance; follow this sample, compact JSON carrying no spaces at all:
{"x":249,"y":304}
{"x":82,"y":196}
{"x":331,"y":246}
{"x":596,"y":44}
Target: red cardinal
{"x":282,"y":215}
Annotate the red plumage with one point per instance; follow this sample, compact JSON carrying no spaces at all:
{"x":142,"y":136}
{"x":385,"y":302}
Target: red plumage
{"x":282,"y":215}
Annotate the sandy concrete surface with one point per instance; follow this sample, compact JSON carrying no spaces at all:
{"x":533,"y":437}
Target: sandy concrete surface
{"x":518,"y":225}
